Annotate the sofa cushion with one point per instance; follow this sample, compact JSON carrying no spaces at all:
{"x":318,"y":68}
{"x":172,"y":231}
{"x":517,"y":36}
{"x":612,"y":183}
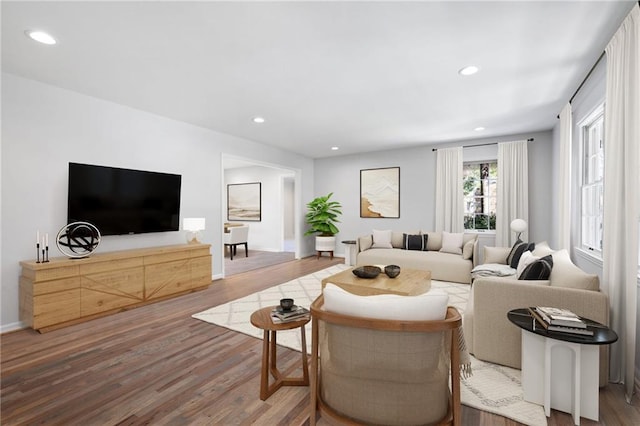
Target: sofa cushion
{"x":467,"y":249}
{"x":566,"y":274}
{"x":539,"y":269}
{"x":414,"y":242}
{"x":518,"y":248}
{"x":443,"y":266}
{"x":452,"y":242}
{"x":525,"y":260}
{"x":428,"y":306}
{"x":397,"y":239}
{"x":382,"y":239}
{"x":496,"y":255}
{"x":435,"y":240}
{"x":365,"y":242}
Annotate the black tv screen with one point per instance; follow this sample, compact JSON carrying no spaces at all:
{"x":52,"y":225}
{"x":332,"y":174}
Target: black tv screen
{"x":122,"y":201}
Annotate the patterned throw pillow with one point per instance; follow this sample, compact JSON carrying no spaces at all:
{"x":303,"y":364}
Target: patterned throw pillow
{"x":516,"y":251}
{"x":414,"y":242}
{"x":538,"y":270}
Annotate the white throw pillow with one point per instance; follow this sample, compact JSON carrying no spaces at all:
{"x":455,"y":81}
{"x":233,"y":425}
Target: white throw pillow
{"x":428,"y":306}
{"x":525,"y":260}
{"x":467,"y":249}
{"x":542,"y":249}
{"x":381,"y":239}
{"x":452,"y":242}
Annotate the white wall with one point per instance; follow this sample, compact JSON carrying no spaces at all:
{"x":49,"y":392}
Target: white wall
{"x":45,"y":127}
{"x":267,"y":234}
{"x":341,"y":175}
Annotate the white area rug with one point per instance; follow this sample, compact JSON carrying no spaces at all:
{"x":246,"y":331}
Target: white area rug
{"x":492,"y":387}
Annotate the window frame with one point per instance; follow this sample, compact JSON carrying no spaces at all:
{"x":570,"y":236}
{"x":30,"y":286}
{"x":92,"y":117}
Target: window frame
{"x":488,"y":230}
{"x":584,"y":127}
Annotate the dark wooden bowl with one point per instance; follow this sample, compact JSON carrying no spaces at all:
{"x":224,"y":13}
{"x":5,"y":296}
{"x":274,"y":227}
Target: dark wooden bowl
{"x":392,"y":271}
{"x":367,"y":271}
{"x":286,"y":304}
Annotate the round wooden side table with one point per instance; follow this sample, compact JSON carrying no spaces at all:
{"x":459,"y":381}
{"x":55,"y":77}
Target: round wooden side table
{"x":262,"y":320}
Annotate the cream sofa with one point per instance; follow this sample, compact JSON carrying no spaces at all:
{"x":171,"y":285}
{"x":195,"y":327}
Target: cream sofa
{"x":443,"y":266}
{"x":491,"y":337}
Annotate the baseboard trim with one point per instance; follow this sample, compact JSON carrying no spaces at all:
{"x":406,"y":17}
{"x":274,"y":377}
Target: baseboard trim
{"x":15,"y":326}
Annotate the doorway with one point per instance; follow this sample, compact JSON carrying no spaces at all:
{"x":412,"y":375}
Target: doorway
{"x":273,"y":237}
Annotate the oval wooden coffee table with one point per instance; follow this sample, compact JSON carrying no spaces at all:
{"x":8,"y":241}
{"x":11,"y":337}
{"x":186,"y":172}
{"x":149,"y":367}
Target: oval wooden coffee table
{"x":262,"y":319}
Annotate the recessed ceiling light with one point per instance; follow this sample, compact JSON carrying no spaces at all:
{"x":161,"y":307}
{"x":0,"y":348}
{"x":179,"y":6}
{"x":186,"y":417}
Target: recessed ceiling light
{"x":40,"y":36}
{"x":479,"y":129}
{"x":469,"y":70}
{"x":258,"y":120}
{"x":335,"y":148}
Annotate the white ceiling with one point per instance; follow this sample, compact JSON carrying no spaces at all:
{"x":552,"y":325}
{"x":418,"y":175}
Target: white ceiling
{"x":363,"y":76}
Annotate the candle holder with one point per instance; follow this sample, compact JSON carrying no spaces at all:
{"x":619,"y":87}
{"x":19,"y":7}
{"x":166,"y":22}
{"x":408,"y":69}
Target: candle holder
{"x":46,"y":255}
{"x":37,"y":252}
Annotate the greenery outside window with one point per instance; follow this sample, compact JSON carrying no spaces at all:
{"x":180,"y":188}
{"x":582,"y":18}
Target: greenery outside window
{"x":480,"y":189}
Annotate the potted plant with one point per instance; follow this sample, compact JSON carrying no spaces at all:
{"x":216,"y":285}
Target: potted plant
{"x":322,"y":216}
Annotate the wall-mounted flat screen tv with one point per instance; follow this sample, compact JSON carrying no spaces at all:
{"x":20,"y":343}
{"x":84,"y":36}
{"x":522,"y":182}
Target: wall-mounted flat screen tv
{"x":122,"y":201}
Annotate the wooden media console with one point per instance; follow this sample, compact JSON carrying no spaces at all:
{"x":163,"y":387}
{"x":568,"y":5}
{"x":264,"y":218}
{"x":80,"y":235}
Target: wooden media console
{"x":68,"y":291}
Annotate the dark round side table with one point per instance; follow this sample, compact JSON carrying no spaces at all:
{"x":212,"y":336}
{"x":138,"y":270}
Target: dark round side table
{"x":262,"y":320}
{"x":561,"y":370}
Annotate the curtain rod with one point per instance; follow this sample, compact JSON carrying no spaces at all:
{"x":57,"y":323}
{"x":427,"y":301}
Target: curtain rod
{"x":483,"y":144}
{"x":587,"y":76}
{"x":589,"y":73}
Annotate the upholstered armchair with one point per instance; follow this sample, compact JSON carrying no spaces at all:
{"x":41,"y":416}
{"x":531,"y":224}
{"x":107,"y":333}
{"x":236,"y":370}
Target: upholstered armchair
{"x":237,"y":235}
{"x":380,"y":371}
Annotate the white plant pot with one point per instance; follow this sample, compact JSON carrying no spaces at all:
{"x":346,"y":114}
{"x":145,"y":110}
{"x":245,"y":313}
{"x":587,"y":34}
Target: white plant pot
{"x":325,"y":243}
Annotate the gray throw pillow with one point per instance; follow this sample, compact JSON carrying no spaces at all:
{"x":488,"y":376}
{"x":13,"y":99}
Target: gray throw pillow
{"x":414,"y":242}
{"x":516,"y":251}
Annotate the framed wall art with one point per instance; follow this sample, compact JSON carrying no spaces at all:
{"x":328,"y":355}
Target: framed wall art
{"x":244,"y":201}
{"x":380,"y":193}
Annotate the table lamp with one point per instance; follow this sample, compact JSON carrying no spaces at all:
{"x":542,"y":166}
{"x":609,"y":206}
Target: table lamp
{"x":519,"y":226}
{"x":193,"y":225}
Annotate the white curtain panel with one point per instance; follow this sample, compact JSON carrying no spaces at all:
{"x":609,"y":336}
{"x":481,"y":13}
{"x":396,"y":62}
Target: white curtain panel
{"x":513,"y":190}
{"x":449,"y":195}
{"x":564,"y":179}
{"x":621,"y":193}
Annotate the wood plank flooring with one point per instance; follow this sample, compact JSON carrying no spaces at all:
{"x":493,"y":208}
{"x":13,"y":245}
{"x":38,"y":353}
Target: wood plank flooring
{"x":257,"y":259}
{"x":157,"y":365}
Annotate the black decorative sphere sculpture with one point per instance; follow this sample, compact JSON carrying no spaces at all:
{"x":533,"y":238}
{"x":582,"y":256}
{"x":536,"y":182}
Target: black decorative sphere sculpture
{"x":78,"y":239}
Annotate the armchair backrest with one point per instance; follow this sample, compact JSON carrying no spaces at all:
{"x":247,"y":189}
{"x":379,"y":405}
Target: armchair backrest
{"x":238,"y":234}
{"x":384,"y":371}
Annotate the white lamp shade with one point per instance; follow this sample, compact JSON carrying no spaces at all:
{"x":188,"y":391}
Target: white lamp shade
{"x":193,"y":224}
{"x":518,"y":225}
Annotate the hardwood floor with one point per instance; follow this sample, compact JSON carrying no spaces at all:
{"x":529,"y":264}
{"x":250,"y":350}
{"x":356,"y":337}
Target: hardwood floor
{"x":257,"y":259}
{"x":157,"y":365}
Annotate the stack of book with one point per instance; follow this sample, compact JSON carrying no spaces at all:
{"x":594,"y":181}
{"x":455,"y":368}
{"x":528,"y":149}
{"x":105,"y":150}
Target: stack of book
{"x":279,"y":315}
{"x":562,"y":320}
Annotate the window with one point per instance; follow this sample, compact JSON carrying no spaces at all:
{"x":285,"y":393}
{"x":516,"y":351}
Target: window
{"x":591,"y":189}
{"x":480,"y":188}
